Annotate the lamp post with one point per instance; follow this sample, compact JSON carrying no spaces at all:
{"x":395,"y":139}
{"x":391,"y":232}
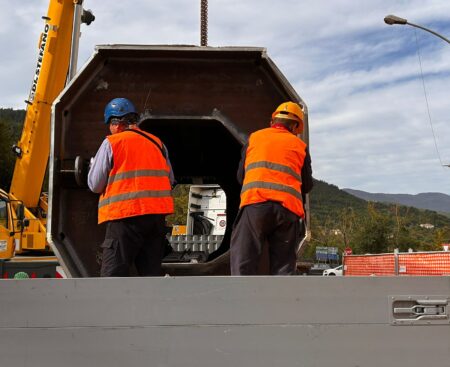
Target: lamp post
{"x":393,"y":19}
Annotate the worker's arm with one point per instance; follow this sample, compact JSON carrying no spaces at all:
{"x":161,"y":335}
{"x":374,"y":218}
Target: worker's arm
{"x":100,"y":168}
{"x":307,"y":180}
{"x":241,"y":170}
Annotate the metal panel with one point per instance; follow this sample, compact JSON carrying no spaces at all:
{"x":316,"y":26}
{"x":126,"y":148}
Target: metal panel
{"x":226,"y":346}
{"x":217,"y":321}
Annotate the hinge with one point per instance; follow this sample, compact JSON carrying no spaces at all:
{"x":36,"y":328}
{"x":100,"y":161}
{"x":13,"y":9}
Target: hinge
{"x":419,"y":310}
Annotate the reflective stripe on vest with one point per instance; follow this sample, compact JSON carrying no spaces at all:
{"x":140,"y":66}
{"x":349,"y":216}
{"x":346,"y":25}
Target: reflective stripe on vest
{"x":272,"y":186}
{"x":138,"y":183}
{"x":273,"y":164}
{"x":138,"y":173}
{"x":134,"y":195}
{"x":275,"y":167}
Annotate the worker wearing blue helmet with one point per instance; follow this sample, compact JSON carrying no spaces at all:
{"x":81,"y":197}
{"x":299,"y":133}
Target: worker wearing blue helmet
{"x":119,"y":114}
{"x":133,"y":175}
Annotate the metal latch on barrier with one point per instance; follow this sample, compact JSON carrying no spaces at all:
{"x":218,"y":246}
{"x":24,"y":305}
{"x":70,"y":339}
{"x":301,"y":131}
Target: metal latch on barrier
{"x":419,"y":310}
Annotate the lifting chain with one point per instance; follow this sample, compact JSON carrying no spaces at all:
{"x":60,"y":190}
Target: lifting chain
{"x":204,"y":23}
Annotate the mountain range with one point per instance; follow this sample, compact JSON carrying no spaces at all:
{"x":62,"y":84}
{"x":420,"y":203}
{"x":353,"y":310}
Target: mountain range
{"x":429,"y":200}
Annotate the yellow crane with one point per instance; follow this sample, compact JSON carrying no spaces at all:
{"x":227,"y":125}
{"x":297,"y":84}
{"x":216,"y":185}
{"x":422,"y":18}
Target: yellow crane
{"x":23,"y":210}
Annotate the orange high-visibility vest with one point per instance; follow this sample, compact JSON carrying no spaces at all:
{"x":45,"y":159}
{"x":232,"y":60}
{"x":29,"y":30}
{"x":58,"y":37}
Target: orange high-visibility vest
{"x":273,"y":165}
{"x":138,"y":183}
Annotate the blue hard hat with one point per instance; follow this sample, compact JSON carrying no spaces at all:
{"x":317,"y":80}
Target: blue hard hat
{"x":119,"y":107}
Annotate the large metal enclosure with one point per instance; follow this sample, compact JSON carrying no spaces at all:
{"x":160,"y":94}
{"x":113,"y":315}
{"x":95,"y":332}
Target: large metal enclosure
{"x":201,"y":101}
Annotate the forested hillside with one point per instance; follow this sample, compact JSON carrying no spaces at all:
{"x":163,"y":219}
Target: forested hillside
{"x":342,"y":220}
{"x":11,"y":122}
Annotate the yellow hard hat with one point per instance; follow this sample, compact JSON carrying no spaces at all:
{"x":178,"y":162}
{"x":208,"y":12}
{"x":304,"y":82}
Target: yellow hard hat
{"x":292,"y":111}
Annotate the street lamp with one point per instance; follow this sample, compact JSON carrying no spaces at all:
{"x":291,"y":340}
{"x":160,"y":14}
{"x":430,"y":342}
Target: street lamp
{"x":393,"y":19}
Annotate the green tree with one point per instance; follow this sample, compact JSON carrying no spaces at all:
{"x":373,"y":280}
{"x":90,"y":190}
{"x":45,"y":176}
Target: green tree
{"x":403,"y":238}
{"x":11,"y":122}
{"x":441,"y":236}
{"x":6,"y":156}
{"x":180,"y":198}
{"x":347,"y":223}
{"x":372,"y":235}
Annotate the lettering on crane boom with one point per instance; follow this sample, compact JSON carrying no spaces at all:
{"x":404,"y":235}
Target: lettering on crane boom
{"x":39,"y":63}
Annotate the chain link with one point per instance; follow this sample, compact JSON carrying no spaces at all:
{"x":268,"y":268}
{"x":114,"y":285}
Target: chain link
{"x":204,"y":23}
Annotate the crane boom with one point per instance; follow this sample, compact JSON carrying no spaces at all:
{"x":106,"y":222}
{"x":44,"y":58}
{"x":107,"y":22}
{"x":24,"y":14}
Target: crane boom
{"x":23,"y":209}
{"x":49,"y":79}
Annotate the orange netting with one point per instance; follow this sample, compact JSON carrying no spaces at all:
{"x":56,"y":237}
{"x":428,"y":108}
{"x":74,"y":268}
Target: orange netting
{"x":415,"y":263}
{"x":383,"y":264}
{"x":433,"y":263}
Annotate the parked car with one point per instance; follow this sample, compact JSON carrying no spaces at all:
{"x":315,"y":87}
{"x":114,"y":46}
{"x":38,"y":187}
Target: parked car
{"x":318,"y":268}
{"x":333,"y":272}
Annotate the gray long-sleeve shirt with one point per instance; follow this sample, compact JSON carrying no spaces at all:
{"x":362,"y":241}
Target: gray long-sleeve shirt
{"x":102,"y":164}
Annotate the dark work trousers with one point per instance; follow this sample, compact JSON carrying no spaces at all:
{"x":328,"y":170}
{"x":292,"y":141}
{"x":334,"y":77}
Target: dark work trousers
{"x":137,"y":240}
{"x":267,"y":223}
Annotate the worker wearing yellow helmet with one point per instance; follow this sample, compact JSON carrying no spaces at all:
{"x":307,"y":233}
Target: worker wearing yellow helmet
{"x":291,"y":115}
{"x":275,"y":173}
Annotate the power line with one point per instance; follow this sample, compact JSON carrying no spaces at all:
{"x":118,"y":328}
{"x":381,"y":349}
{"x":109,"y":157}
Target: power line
{"x":426,"y":100}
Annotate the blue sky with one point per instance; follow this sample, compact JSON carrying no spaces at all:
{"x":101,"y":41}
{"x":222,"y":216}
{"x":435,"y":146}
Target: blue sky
{"x":361,"y":79}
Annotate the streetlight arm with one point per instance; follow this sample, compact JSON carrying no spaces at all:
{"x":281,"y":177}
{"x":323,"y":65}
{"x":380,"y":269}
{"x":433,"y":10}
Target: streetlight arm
{"x":393,"y":19}
{"x":429,"y":30}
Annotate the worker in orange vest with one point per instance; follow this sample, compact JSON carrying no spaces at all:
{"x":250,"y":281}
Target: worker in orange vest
{"x":132,"y":172}
{"x":275,"y":173}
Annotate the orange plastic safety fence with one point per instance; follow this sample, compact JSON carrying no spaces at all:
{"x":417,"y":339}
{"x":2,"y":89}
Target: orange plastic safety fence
{"x":382,"y":265}
{"x":433,"y":263}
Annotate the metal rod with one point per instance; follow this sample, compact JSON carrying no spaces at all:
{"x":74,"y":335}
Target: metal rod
{"x":75,"y":40}
{"x":429,"y":30}
{"x":204,"y":23}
